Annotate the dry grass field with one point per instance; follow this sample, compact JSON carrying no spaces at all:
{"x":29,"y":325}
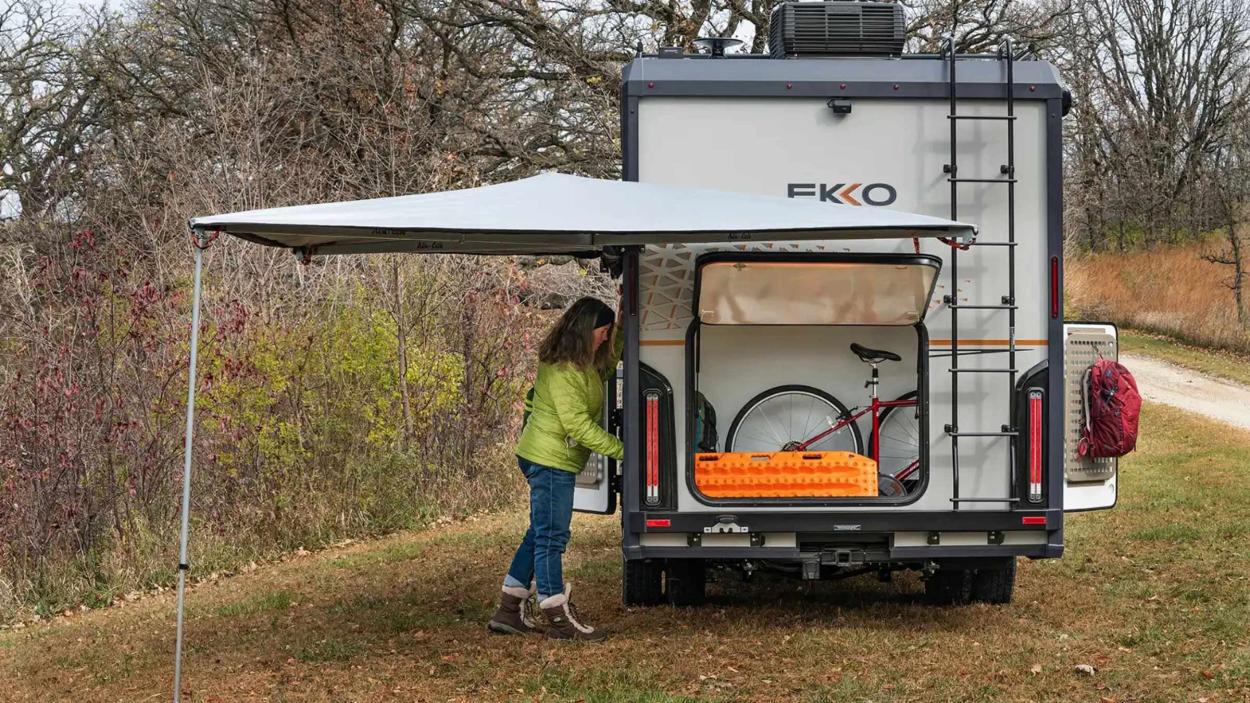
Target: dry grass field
{"x":1154,"y":595}
{"x":1170,"y":291}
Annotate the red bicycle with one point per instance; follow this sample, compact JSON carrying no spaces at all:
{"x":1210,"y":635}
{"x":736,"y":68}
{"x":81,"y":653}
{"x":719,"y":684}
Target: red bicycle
{"x":797,"y":418}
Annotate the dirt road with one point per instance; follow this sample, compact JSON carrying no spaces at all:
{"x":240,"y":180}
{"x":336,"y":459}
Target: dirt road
{"x":1161,"y":382}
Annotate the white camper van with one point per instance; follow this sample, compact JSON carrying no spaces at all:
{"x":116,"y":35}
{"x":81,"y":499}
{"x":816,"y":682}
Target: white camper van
{"x":949,"y":364}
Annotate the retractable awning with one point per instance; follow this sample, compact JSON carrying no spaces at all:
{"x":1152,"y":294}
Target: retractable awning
{"x":547,"y":214}
{"x":557,"y":213}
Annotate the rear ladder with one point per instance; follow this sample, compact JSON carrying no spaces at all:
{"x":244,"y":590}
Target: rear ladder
{"x":1007,"y":303}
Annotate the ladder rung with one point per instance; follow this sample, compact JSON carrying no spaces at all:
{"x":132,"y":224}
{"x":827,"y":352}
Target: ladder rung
{"x":1009,"y":118}
{"x":993,"y":244}
{"x":982,"y":307}
{"x":982,"y":370}
{"x":985,"y":500}
{"x":957,"y":433}
{"x":980,"y":180}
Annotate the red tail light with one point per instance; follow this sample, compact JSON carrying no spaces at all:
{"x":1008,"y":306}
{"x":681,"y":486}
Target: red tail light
{"x":1054,"y":287}
{"x":659,"y":522}
{"x":1035,"y":446}
{"x":1033,"y":520}
{"x":652,"y":496}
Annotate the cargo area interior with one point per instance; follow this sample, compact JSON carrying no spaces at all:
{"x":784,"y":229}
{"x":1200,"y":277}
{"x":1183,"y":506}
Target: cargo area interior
{"x":783,"y":353}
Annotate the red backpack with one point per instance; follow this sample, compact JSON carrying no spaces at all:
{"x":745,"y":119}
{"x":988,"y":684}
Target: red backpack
{"x":1112,"y":406}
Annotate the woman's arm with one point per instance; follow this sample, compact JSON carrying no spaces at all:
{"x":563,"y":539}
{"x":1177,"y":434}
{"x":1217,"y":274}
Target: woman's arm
{"x":572,"y":408}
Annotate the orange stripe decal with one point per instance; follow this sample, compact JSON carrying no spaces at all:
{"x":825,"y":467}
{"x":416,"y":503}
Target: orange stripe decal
{"x":989,"y":342}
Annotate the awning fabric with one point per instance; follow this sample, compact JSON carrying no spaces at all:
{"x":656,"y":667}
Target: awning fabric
{"x":556,"y":213}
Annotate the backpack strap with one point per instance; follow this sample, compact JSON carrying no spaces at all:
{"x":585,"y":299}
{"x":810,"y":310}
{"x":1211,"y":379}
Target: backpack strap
{"x":1085,"y":380}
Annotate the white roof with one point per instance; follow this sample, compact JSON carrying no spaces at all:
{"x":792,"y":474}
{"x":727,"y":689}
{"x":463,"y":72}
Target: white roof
{"x":557,"y":213}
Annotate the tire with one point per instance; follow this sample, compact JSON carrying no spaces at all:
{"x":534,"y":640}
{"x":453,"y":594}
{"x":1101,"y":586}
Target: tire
{"x":686,"y":582}
{"x":949,"y":587}
{"x":734,"y":444}
{"x":885,"y":418}
{"x":995,"y":585}
{"x":642,"y":582}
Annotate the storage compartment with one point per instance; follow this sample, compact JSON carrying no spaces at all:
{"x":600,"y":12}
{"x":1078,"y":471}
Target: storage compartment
{"x":806,"y":352}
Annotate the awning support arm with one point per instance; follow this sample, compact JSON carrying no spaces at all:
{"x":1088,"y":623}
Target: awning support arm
{"x":200,"y":241}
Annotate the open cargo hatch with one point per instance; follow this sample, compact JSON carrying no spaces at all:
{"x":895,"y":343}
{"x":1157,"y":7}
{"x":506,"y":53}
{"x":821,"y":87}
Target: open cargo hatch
{"x":560,"y":214}
{"x":843,"y":290}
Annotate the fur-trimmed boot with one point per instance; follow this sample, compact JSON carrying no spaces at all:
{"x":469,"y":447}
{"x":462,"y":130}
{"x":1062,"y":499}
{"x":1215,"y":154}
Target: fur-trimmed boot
{"x":514,"y":616}
{"x":562,"y":620}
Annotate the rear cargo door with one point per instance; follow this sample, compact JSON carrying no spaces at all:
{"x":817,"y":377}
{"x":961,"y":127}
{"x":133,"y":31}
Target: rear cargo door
{"x":1088,"y":484}
{"x":596,"y":487}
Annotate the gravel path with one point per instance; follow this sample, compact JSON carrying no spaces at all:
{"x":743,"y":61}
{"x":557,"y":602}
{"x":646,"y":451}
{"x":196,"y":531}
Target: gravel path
{"x":1161,"y":382}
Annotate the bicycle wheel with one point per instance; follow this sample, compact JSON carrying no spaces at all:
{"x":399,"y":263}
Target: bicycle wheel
{"x":781,"y":418}
{"x":900,"y":437}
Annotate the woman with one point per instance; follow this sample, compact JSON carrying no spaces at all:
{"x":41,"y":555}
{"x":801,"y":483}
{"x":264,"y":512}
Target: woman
{"x":562,"y":428}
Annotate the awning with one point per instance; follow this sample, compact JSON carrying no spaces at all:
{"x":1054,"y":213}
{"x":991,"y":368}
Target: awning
{"x":556,"y":213}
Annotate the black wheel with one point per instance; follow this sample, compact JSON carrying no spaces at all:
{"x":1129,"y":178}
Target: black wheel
{"x":900,"y":430}
{"x":781,"y":418}
{"x":685,"y":581}
{"x":995,"y":585}
{"x":949,"y":586}
{"x":642,"y":582}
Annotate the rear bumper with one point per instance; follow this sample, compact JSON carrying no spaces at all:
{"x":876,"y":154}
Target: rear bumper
{"x":875,"y":521}
{"x":875,"y":537}
{"x":906,"y":555}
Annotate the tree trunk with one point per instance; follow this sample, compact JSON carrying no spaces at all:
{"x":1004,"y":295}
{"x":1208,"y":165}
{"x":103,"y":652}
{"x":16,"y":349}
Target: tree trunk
{"x":1238,"y":272}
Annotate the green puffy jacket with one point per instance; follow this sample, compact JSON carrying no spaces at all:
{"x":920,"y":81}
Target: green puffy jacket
{"x":564,"y":423}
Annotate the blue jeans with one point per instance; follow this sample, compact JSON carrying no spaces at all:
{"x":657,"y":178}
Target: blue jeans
{"x":551,"y":512}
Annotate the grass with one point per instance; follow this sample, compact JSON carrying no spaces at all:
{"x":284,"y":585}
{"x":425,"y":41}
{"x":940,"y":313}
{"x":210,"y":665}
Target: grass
{"x":1155,"y":595}
{"x":1167,"y":290}
{"x":1214,"y":362}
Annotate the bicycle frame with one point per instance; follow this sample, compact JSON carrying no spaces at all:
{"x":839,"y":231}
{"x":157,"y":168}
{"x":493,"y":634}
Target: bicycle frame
{"x":875,"y":406}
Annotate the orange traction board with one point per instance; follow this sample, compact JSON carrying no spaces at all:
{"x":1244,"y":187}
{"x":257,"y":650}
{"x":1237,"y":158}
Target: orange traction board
{"x":784,"y":474}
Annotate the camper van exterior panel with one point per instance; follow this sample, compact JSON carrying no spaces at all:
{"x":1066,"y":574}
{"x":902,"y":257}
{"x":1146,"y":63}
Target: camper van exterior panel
{"x":894,"y":150}
{"x":765,"y":126}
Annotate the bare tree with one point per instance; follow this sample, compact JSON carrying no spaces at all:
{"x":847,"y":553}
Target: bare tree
{"x":1230,"y":184}
{"x":981,"y":26}
{"x":1159,"y":84}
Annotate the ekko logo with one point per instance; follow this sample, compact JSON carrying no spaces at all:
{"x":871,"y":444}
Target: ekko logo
{"x":844,"y":193}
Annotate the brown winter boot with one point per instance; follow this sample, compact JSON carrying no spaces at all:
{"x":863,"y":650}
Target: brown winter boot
{"x":513,"y":616}
{"x":562,"y":619}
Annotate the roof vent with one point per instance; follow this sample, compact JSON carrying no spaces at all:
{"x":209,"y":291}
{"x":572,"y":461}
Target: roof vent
{"x":836,"y":28}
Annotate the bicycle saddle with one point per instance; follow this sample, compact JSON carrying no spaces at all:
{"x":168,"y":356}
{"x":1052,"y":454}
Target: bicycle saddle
{"x":873,"y":356}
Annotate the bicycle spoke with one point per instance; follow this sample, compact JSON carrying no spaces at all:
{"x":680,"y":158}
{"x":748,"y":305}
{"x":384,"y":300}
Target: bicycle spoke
{"x":771,"y":427}
{"x":898,"y":441}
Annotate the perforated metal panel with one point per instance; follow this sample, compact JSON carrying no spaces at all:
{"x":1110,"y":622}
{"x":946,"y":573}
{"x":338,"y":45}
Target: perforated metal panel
{"x":1082,"y":347}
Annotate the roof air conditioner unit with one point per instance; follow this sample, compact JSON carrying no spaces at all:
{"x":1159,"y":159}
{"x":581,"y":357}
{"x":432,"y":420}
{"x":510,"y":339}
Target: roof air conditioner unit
{"x":836,"y":28}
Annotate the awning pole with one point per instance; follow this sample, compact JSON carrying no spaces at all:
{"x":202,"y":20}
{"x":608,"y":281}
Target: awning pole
{"x":199,"y":242}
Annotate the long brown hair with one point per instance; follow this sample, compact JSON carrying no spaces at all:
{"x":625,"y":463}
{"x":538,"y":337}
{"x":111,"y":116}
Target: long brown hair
{"x":570,"y":339}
